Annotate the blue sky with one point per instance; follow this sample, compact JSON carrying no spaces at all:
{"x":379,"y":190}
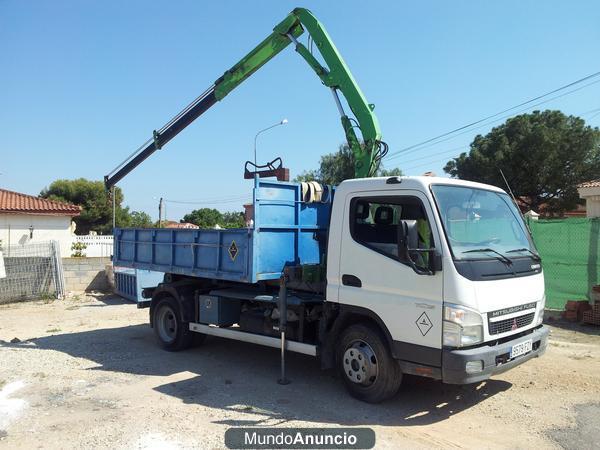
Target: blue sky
{"x":82,"y":84}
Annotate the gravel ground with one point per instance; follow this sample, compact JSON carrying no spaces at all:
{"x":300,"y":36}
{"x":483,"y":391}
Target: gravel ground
{"x":86,"y":372}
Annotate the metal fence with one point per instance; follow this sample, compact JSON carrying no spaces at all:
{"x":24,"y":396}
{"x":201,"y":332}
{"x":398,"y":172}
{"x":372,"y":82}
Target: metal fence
{"x":570,"y":251}
{"x":31,"y":271}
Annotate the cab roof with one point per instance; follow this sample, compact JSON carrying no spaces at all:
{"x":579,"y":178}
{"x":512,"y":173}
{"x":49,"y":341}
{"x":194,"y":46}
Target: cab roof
{"x":419,"y":183}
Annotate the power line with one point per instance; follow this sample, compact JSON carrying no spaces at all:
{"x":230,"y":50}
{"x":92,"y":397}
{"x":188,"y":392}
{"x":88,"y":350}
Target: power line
{"x":499,"y":113}
{"x":423,"y":165}
{"x":412,"y":149}
{"x":452,"y":150}
{"x":211,"y":202}
{"x":590,"y":111}
{"x":428,"y":163}
{"x":596,"y":110}
{"x":581,"y":80}
{"x":229,"y":199}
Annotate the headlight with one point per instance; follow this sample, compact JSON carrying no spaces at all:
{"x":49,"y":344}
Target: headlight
{"x":462,"y":327}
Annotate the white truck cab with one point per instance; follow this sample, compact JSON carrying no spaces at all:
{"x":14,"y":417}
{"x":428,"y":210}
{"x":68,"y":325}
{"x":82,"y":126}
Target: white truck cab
{"x":446,"y":267}
{"x":378,"y":278}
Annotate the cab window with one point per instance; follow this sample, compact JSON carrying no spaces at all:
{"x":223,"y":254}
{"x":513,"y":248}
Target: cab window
{"x":374,"y":224}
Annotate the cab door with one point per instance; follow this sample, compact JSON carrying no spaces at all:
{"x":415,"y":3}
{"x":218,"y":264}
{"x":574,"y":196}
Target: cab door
{"x":372,"y":275}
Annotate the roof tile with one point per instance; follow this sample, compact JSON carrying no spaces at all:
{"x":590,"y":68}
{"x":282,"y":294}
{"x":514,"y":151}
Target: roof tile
{"x":593,"y":183}
{"x":172,"y":224}
{"x":14,"y":202}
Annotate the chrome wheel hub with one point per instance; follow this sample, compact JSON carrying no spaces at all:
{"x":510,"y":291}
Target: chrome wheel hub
{"x":360,"y":363}
{"x":167,"y":324}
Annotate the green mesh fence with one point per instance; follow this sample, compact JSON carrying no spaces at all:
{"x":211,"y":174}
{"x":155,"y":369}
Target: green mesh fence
{"x":570,"y":257}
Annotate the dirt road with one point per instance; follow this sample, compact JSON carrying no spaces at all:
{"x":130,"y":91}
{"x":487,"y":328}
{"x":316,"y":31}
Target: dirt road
{"x":86,"y":372}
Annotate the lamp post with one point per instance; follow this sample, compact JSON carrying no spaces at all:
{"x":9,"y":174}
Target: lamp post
{"x":114,"y":207}
{"x":282,"y":122}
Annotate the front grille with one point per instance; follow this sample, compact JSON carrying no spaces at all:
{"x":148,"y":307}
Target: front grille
{"x":506,"y":325}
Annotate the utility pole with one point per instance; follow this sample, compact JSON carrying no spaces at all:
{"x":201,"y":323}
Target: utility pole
{"x":160,"y":212}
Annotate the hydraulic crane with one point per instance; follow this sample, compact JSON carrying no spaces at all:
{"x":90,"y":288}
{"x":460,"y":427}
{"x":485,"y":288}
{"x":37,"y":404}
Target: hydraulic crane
{"x":336,"y":76}
{"x":347,"y":278}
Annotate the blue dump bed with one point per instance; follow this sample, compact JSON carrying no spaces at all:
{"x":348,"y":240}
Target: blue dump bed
{"x":286,"y":231}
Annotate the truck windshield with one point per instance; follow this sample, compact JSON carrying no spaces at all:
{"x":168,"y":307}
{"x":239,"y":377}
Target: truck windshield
{"x":481,"y":224}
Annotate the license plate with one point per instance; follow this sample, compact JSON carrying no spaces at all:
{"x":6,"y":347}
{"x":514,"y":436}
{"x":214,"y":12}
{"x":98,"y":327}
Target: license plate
{"x":521,"y":349}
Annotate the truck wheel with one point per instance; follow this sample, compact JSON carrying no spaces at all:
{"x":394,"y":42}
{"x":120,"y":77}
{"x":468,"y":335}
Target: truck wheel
{"x":172,"y":334}
{"x":366,"y":365}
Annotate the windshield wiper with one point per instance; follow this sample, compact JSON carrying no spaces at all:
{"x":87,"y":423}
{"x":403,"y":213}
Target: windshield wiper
{"x":536,"y":256}
{"x":501,"y":257}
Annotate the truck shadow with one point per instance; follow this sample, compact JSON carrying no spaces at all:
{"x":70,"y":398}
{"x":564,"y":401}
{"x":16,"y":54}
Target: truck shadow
{"x":319,"y":400}
{"x":241,"y":378}
{"x":579,"y":327}
{"x":103,"y":299}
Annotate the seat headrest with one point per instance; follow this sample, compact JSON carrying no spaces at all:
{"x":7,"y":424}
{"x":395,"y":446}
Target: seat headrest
{"x":384,"y":215}
{"x":412,"y":212}
{"x":362,"y":210}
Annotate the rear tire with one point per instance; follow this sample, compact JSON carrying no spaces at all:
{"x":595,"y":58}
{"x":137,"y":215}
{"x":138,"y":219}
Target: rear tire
{"x":171,"y":332}
{"x":366,"y":364}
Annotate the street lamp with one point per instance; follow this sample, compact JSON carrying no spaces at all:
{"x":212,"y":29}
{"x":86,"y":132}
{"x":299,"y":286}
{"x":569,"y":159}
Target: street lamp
{"x":114,"y":206}
{"x":282,"y":122}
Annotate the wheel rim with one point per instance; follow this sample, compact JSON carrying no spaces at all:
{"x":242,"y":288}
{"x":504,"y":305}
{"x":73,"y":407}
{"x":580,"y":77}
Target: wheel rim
{"x":360,"y":363}
{"x":167,"y":324}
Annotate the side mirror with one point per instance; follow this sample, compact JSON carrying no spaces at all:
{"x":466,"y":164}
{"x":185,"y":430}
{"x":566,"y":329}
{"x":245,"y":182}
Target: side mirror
{"x":408,"y":238}
{"x":408,"y":244}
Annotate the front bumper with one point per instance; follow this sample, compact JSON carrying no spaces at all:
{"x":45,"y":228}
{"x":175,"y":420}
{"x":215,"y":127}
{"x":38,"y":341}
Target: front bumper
{"x":494,"y":357}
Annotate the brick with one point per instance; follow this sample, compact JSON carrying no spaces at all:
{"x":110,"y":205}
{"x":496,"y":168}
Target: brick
{"x":571,"y":316}
{"x":571,"y":305}
{"x":591,"y":317}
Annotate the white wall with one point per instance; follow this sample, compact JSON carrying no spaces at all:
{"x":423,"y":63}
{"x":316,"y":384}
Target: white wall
{"x":593,"y":206}
{"x":45,"y":228}
{"x":97,"y":246}
{"x":592,"y":200}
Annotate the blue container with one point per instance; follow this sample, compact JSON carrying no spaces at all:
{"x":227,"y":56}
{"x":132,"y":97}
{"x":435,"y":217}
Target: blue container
{"x":286,"y":231}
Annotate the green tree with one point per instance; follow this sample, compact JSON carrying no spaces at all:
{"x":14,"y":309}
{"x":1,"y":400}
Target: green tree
{"x":140,"y":219}
{"x":337,"y":167}
{"x":96,"y":205}
{"x":209,"y":217}
{"x":395,"y":172}
{"x":233,"y":220}
{"x":544,"y":155}
{"x":204,"y":217}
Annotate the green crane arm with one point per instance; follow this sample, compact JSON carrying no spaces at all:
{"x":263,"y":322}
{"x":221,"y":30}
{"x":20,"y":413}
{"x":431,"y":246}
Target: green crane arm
{"x":335,"y":76}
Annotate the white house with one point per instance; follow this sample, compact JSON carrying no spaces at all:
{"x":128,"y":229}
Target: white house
{"x":25,"y":218}
{"x":590,"y":192}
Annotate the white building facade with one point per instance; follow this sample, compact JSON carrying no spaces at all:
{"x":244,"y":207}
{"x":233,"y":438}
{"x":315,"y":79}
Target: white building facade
{"x":590,"y":192}
{"x":27,"y":219}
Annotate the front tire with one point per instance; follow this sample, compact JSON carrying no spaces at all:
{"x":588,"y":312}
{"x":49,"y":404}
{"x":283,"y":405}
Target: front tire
{"x":366,"y":365}
{"x":171,"y":332}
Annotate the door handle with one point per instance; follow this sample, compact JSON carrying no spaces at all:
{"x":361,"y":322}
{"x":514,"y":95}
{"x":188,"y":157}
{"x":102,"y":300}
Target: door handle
{"x":351,"y":280}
